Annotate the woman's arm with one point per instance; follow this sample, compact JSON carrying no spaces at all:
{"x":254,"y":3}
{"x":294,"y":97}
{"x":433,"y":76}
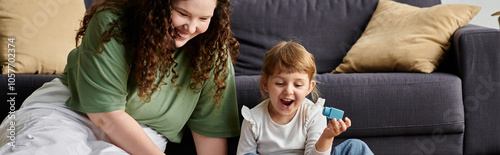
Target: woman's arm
{"x":209,"y":145}
{"x":125,"y":132}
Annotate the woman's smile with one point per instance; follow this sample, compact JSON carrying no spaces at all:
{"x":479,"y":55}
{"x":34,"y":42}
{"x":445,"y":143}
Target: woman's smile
{"x":182,"y":36}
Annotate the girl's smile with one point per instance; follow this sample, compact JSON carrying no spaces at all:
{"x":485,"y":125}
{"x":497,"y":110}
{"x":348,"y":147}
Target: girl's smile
{"x":286,"y":102}
{"x":287,"y":91}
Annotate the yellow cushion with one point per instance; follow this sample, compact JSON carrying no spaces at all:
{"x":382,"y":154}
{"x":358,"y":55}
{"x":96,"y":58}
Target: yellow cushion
{"x":44,"y":33}
{"x":401,"y":37}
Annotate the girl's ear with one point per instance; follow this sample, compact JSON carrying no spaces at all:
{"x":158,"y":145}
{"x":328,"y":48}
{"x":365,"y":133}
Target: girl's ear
{"x":264,"y":85}
{"x":311,"y":86}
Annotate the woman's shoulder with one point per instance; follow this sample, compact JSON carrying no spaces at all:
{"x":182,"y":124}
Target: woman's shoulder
{"x":105,"y":18}
{"x":106,"y":14}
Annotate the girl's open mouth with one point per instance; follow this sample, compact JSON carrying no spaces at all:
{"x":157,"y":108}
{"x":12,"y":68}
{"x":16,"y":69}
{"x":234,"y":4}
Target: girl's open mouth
{"x":286,"y":102}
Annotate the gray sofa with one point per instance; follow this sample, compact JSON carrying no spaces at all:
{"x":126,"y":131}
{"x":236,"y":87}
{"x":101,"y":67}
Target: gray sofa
{"x":450,"y":111}
{"x":453,"y":110}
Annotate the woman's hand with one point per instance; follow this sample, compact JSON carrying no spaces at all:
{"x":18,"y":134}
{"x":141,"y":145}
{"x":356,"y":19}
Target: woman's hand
{"x":125,"y":132}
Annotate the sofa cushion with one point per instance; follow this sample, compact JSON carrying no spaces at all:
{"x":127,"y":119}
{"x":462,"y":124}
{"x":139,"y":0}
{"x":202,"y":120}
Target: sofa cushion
{"x":428,"y":144}
{"x":384,"y":104}
{"x":44,"y":33}
{"x":420,"y":3}
{"x":327,"y":29}
{"x":400,"y":37}
{"x":394,"y":104}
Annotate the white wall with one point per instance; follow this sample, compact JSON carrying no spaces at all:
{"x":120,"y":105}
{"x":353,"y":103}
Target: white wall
{"x":483,"y":18}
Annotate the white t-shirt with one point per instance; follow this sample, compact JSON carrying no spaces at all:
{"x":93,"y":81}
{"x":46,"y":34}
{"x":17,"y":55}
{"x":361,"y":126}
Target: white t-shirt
{"x":259,"y":134}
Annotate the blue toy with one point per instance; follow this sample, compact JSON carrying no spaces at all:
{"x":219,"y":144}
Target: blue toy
{"x":332,"y":113}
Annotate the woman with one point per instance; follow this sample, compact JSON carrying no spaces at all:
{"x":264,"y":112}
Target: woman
{"x":143,"y":71}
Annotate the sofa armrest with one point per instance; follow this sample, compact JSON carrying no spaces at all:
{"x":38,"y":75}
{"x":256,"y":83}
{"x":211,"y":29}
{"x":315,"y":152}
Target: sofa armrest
{"x":477,"y":51}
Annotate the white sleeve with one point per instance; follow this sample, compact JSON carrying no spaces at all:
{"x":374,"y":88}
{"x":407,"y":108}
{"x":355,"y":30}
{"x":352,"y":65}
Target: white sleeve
{"x":247,"y":142}
{"x":315,"y":124}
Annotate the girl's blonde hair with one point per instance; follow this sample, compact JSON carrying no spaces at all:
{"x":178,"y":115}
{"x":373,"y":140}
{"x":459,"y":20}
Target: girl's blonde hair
{"x":288,"y":57}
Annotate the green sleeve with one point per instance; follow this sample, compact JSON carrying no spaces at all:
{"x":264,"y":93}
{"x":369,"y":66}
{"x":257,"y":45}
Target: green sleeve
{"x":97,"y":80}
{"x":211,"y":121}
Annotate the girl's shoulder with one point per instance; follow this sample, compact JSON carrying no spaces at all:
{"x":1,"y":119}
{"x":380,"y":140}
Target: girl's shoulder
{"x":313,"y":110}
{"x":255,"y":116}
{"x":256,"y":113}
{"x":310,"y":106}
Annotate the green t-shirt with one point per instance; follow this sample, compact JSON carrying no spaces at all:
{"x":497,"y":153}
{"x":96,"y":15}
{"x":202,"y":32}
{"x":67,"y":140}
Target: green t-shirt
{"x":102,"y":82}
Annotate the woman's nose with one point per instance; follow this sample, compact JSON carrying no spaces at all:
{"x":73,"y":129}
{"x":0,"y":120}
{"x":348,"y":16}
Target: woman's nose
{"x":190,"y":27}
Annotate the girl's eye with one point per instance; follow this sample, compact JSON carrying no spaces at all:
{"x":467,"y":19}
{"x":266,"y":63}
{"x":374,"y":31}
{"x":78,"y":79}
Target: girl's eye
{"x":204,"y":19}
{"x":298,"y":85}
{"x":279,"y":84}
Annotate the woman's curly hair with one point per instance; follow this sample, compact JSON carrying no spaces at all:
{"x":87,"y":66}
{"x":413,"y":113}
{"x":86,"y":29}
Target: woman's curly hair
{"x":149,"y":35}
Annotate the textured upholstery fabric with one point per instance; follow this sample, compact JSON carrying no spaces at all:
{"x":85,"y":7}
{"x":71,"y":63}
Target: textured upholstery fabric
{"x":327,"y":29}
{"x":44,"y":33}
{"x":478,"y":57}
{"x":405,"y":38}
{"x":364,"y":96}
{"x":412,"y":103}
{"x":420,"y":3}
{"x":443,"y":144}
{"x":387,"y":106}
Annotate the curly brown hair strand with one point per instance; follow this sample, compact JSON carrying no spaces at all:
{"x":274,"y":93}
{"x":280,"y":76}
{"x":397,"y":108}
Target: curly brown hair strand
{"x":152,"y":50}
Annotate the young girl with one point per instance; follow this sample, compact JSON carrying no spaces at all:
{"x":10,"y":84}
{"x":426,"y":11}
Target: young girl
{"x":287,"y":122}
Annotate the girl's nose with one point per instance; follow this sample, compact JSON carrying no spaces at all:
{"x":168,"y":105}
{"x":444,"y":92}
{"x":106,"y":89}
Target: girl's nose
{"x":288,"y":91}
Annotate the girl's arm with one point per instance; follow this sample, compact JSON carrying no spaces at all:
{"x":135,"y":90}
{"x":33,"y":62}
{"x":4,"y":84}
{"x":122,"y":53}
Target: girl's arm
{"x":247,"y":143}
{"x":125,"y":132}
{"x":209,"y":145}
{"x":333,"y":129}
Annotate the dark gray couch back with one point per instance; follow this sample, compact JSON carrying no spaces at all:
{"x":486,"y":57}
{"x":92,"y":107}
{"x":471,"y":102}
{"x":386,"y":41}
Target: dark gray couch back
{"x":326,"y":28}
